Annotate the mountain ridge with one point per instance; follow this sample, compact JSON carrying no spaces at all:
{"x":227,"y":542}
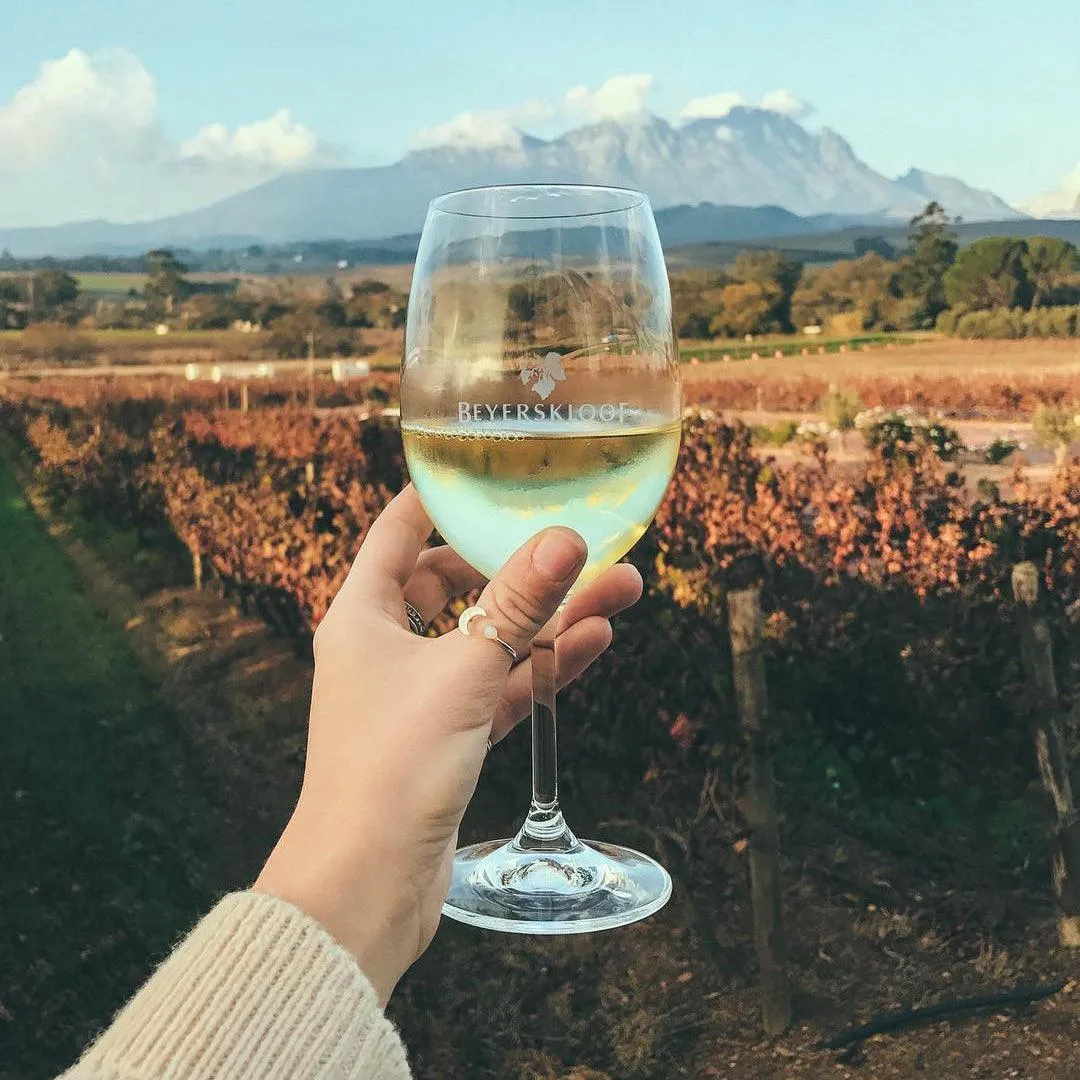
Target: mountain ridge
{"x":749,"y":158}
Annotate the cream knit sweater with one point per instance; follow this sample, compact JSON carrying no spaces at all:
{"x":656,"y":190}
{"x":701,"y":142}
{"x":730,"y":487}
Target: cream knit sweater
{"x":257,"y":991}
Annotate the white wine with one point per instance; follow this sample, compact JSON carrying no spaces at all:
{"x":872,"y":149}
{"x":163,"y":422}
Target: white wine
{"x":490,"y":487}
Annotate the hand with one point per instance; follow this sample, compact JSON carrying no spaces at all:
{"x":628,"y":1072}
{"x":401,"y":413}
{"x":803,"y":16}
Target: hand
{"x":399,"y":725}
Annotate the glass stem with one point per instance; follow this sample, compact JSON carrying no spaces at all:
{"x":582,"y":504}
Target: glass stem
{"x":545,"y":825}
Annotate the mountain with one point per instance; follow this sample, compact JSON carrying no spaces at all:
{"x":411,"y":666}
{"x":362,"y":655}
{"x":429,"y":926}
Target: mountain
{"x":708,"y":223}
{"x":750,"y":158}
{"x":971,"y":204}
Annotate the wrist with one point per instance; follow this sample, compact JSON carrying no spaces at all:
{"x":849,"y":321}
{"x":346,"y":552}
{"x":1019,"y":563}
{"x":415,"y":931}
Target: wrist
{"x":352,"y":900}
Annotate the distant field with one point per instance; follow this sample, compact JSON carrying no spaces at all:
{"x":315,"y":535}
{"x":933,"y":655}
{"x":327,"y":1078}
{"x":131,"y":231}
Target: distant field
{"x":868,"y":356}
{"x":107,"y":281}
{"x":929,"y":357}
{"x":789,"y":345}
{"x":149,"y":337}
{"x":397,"y":277}
{"x":110,"y":282}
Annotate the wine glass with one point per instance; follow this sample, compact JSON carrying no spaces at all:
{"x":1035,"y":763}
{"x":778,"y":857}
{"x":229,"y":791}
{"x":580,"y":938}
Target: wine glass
{"x":540,"y":386}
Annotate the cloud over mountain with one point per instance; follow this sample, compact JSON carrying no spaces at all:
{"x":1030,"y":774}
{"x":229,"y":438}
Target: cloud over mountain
{"x":712,"y":106}
{"x":616,"y":98}
{"x":1063,"y":201}
{"x":276,"y":143}
{"x":786,"y":103}
{"x":620,"y":98}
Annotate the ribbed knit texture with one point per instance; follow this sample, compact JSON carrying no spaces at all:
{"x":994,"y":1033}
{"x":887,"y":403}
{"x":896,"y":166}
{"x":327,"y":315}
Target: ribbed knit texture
{"x":257,"y":990}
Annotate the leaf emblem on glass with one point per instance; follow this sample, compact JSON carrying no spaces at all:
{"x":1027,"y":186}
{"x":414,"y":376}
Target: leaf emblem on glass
{"x":544,"y":377}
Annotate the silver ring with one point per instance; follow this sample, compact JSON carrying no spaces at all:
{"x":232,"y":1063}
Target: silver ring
{"x":489,"y":631}
{"x":416,"y":620}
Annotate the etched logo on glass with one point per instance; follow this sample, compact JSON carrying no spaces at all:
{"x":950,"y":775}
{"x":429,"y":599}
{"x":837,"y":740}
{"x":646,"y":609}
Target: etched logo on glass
{"x":544,"y":377}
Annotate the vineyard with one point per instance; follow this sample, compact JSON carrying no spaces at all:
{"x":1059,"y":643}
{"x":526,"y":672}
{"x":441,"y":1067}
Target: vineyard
{"x":894,"y":675}
{"x":887,"y":589}
{"x":1003,"y":398}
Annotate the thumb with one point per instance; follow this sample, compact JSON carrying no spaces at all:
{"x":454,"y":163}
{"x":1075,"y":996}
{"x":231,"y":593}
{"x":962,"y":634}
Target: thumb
{"x":527,"y":591}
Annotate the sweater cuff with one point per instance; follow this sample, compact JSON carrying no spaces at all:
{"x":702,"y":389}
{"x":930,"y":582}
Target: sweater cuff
{"x":257,"y":990}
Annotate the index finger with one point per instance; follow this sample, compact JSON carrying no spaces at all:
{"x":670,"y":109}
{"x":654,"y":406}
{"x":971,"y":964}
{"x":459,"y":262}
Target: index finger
{"x":388,"y":555}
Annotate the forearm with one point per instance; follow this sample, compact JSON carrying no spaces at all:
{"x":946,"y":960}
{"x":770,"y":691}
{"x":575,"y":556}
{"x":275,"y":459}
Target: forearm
{"x":257,"y":991}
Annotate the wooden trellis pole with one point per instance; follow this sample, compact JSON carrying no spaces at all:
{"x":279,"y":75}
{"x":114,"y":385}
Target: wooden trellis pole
{"x":759,"y":807}
{"x":1036,"y":651}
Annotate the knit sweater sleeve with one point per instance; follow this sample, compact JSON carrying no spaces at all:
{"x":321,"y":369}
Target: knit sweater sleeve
{"x":257,"y":991}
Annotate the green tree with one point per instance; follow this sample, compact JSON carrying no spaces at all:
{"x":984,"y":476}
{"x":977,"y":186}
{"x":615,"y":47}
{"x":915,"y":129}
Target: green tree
{"x":520,"y":306}
{"x":877,"y":245}
{"x":1049,"y":264}
{"x":374,"y":303}
{"x":932,"y":250}
{"x":695,"y":299}
{"x":12,"y":301}
{"x":866,"y":287}
{"x":1055,"y":428}
{"x":746,"y":307}
{"x":840,"y":409}
{"x":12,"y":290}
{"x":778,"y":277}
{"x":331,"y":308}
{"x":989,"y":274}
{"x":54,"y":289}
{"x":166,"y":284}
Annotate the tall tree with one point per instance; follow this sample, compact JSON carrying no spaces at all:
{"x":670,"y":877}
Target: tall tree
{"x":932,"y":250}
{"x":166,"y":283}
{"x":989,"y":274}
{"x":54,"y":289}
{"x":865,"y":287}
{"x":777,"y":275}
{"x":747,"y":307}
{"x":1049,"y":264}
{"x":12,"y":297}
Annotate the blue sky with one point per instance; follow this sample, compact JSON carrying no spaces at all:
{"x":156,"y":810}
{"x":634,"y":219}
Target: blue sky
{"x":983,"y":89}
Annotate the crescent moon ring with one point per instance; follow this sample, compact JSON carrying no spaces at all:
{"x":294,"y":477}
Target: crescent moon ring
{"x":467,"y":617}
{"x":490,"y":632}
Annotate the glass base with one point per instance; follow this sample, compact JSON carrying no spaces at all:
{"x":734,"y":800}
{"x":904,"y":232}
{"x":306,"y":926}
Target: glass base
{"x":522,"y":886}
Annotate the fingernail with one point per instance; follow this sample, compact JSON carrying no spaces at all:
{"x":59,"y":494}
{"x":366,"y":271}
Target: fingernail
{"x":559,"y":553}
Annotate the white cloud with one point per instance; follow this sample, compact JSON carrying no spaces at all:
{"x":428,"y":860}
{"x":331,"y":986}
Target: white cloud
{"x":619,"y":97}
{"x":786,"y":103}
{"x":718,"y":105}
{"x":277,"y":143}
{"x":1063,"y":201}
{"x":713,"y":106}
{"x":106,"y":98}
{"x":84,"y":139}
{"x":493,"y":128}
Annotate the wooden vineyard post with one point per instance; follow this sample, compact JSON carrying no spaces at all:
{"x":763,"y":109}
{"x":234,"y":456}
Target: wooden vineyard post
{"x":1037,"y":655}
{"x":311,"y":369}
{"x":759,"y":807}
{"x":244,"y":397}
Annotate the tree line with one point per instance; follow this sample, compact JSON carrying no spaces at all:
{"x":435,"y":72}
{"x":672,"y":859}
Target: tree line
{"x":999,"y":286}
{"x":295,"y":315}
{"x":996,"y":286}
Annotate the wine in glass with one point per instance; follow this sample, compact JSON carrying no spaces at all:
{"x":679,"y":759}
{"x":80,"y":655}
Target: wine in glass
{"x":540,"y":387}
